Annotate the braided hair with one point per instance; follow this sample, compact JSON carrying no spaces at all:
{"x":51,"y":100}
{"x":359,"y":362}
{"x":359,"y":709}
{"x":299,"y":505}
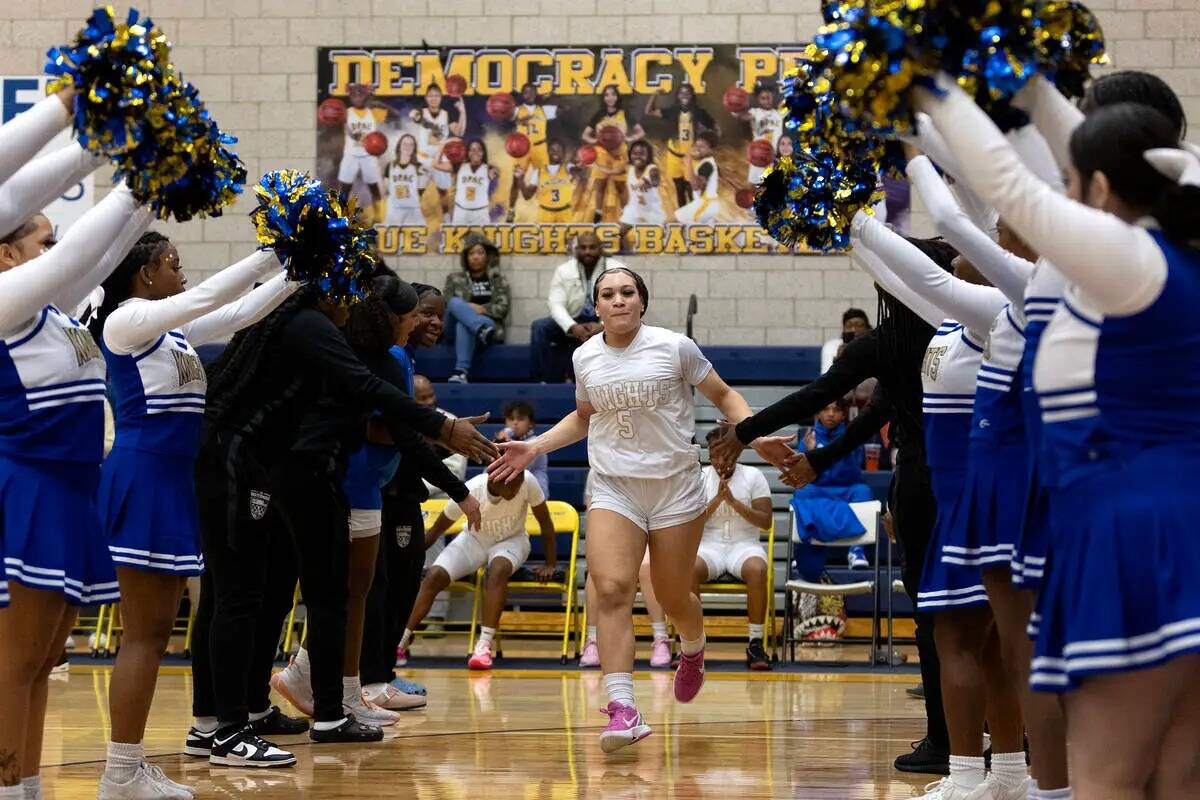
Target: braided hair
{"x":118,"y":285}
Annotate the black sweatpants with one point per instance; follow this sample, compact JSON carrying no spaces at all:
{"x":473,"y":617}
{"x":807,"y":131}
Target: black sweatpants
{"x":394,"y":590}
{"x":312,"y":507}
{"x":913,"y":513}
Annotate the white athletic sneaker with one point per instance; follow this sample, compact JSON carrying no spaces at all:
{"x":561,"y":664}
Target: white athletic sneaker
{"x":1003,"y":792}
{"x":144,"y":786}
{"x":295,"y":687}
{"x":384,"y":695}
{"x":162,"y":778}
{"x":368,"y":713}
{"x":946,"y":790}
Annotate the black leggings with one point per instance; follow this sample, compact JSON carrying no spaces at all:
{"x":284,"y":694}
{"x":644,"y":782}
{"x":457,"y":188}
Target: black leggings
{"x":913,"y":512}
{"x":394,"y":590}
{"x":249,"y":584}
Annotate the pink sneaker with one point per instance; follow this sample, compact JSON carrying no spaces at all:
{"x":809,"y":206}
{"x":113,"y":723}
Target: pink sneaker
{"x":625,"y":727}
{"x":660,"y":653}
{"x":689,"y":677}
{"x":591,"y":655}
{"x":401,"y":655}
{"x":481,"y":659}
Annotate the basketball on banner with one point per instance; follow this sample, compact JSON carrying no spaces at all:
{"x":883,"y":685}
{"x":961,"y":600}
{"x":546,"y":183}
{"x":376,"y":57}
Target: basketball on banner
{"x":655,"y":149}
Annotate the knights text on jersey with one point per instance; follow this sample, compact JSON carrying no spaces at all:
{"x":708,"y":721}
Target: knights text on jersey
{"x":644,"y":421}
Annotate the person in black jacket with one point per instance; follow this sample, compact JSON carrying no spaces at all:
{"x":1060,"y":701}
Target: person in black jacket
{"x":274,"y":454}
{"x":892,"y":352}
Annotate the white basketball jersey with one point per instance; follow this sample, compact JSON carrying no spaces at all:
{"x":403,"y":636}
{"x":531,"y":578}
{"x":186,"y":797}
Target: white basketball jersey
{"x":405,"y":185}
{"x":429,"y":139}
{"x":644,"y":421}
{"x":766,"y":123}
{"x":747,"y":484}
{"x":471,"y":192}
{"x":500,"y":519}
{"x":710,"y":188}
{"x":359,"y":122}
{"x":642,"y":197}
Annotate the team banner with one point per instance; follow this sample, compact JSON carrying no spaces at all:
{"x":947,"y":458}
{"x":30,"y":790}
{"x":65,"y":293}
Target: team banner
{"x":656,"y":148}
{"x":19,"y":94}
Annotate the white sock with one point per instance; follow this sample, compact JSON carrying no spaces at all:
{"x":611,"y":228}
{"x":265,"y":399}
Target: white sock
{"x":32,"y":787}
{"x":591,"y":633}
{"x":486,"y":635}
{"x":620,"y":687}
{"x":14,"y":792}
{"x":351,"y":689}
{"x":691,"y":646}
{"x":328,"y":726}
{"x":756,"y":631}
{"x":967,"y":772}
{"x":255,"y":716}
{"x":660,"y":629}
{"x":1009,"y":768}
{"x":302,"y":662}
{"x":205,"y":724}
{"x":406,"y":639}
{"x":123,"y":761}
{"x":1055,"y":794}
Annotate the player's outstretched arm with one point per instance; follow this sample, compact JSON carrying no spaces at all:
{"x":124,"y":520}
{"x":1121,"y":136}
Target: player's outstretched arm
{"x":515,"y":457}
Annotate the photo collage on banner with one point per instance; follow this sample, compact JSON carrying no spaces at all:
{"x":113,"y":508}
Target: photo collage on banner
{"x":658,"y":147}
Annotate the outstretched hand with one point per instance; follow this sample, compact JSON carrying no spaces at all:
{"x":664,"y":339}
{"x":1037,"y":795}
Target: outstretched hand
{"x":776,"y":450}
{"x":723,"y":453}
{"x":800,"y":473}
{"x":461,"y":436}
{"x":514,"y":458}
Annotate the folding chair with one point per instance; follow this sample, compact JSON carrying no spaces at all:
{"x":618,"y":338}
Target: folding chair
{"x":868,"y":514}
{"x":566,"y":526}
{"x":727,"y":584}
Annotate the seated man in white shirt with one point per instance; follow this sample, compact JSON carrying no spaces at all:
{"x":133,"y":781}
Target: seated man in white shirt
{"x":739,"y":507}
{"x":502,"y":545}
{"x":854,"y":324}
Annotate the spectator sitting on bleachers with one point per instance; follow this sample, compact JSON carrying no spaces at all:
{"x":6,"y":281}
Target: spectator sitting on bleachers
{"x":822,"y":508}
{"x":855,"y":323}
{"x":424,"y":394}
{"x":739,"y":508}
{"x":660,"y":647}
{"x":572,"y":319}
{"x":477,"y":302}
{"x":518,"y":426}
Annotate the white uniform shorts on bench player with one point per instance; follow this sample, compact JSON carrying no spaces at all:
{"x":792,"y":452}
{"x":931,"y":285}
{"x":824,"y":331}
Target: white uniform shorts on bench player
{"x":467,"y":552}
{"x":652,"y":503}
{"x":731,"y":557}
{"x":365,"y":522}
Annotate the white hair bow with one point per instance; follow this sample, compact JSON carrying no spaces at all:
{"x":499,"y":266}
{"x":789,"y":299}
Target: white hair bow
{"x":1180,"y":165}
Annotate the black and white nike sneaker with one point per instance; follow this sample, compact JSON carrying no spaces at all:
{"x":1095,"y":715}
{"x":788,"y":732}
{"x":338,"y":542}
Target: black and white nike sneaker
{"x":244,"y":748}
{"x":198,"y":743}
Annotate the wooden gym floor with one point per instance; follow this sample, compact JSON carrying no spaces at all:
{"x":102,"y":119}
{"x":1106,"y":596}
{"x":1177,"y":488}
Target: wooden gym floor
{"x":532,"y":735}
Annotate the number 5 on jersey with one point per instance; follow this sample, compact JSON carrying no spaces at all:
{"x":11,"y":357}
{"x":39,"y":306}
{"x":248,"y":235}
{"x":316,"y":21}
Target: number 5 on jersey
{"x":625,"y":424}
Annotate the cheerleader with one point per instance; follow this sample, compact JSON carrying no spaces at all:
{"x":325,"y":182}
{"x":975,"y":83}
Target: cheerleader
{"x":148,"y":327}
{"x":634,"y":397}
{"x":51,"y":440}
{"x":1121,"y":460}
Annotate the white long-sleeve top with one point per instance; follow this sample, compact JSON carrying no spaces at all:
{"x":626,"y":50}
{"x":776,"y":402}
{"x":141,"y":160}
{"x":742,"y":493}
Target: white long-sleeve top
{"x":1053,"y":115}
{"x":1116,"y":265}
{"x":67,"y":273}
{"x":1008,"y":272}
{"x":870,"y":263}
{"x":203,"y":313}
{"x":41,"y":181}
{"x":974,"y":306}
{"x":23,"y":136}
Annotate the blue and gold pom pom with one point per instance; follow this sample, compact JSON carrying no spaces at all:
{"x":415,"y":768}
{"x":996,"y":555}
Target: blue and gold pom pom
{"x":319,"y":235}
{"x":132,"y":106}
{"x":1069,"y":41}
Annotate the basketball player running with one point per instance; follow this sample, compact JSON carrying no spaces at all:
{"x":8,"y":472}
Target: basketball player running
{"x":362,"y":118}
{"x":634,"y":404}
{"x":610,"y":164}
{"x":474,"y":183}
{"x":406,"y":182}
{"x":434,"y":128}
{"x":687,"y":121}
{"x":645,"y":201}
{"x":556,"y":185}
{"x":766,"y":123}
{"x":532,"y":119}
{"x":704,"y":176}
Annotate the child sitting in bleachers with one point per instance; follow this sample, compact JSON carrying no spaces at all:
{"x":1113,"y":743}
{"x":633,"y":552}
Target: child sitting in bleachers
{"x":822,"y":508}
{"x":518,"y":426}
